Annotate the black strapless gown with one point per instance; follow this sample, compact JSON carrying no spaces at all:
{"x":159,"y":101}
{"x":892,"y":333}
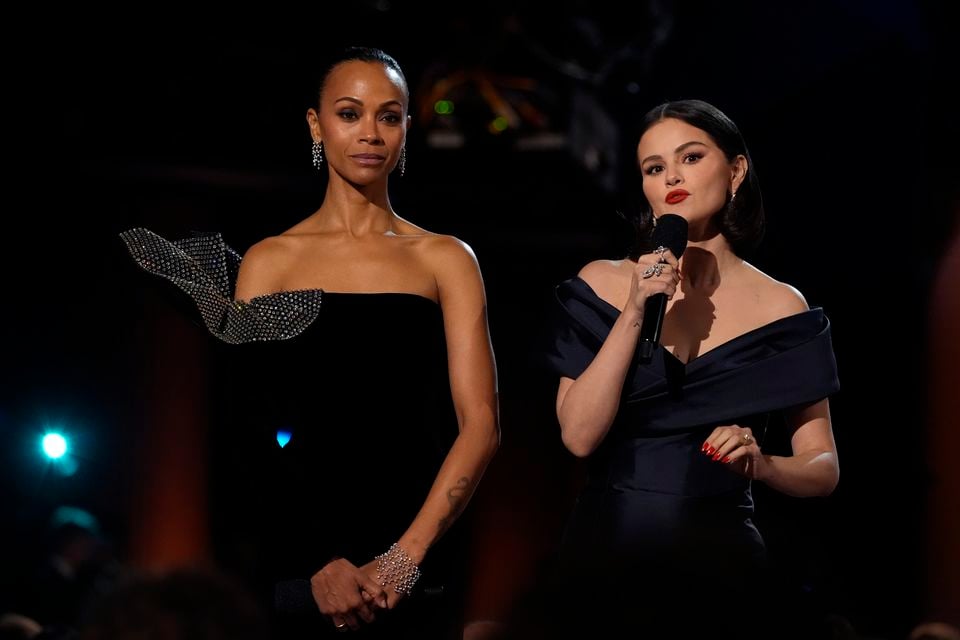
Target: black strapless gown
{"x":661,"y":538}
{"x":359,"y":382}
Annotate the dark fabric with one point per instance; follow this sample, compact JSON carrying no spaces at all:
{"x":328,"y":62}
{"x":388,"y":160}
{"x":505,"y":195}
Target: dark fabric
{"x":661,"y":540}
{"x":365,"y":395}
{"x":360,"y":382}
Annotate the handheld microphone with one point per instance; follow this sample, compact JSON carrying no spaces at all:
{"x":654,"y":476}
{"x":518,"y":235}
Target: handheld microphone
{"x":670,"y":232}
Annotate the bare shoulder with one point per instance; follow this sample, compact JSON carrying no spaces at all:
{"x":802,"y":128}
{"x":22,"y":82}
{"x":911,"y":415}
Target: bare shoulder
{"x":777,"y":299}
{"x":600,"y":271}
{"x":433,"y":247}
{"x":609,"y":279}
{"x":455,"y":269}
{"x":270,"y":254}
{"x":262,"y":265}
{"x":267,"y":248}
{"x":445,"y":250}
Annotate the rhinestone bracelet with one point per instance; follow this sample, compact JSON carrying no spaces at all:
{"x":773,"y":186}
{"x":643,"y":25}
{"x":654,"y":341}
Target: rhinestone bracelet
{"x":396,"y":568}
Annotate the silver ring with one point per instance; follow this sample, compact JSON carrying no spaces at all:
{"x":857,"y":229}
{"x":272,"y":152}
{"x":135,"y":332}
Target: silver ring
{"x":342,"y":625}
{"x":660,"y":251}
{"x":653,"y":270}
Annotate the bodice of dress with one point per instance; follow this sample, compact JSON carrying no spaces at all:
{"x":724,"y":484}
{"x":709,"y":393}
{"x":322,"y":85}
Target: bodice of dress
{"x":668,"y":408}
{"x":364,"y":394}
{"x":358,"y":382}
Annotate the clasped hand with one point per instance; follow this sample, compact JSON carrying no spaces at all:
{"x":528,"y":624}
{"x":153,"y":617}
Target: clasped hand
{"x":351,"y":595}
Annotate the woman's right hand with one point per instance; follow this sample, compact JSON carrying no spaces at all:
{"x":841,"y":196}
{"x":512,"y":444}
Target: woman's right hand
{"x":346,"y":594}
{"x":655,"y":272}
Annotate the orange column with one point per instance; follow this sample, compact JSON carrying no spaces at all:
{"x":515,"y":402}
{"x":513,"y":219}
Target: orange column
{"x":943,"y":445}
{"x":169,"y":526}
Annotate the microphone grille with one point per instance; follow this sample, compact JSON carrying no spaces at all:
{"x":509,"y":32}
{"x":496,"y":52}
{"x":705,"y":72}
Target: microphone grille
{"x":671,"y":232}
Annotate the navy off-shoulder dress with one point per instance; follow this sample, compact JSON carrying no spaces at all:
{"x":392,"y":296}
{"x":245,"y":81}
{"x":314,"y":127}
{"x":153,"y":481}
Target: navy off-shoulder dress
{"x":661,"y":539}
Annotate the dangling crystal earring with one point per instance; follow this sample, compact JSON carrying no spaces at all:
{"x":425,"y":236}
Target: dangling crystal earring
{"x":317,"y":155}
{"x":403,"y":160}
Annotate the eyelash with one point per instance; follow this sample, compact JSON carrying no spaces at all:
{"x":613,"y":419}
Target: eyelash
{"x":696,"y":156}
{"x":389,"y":117}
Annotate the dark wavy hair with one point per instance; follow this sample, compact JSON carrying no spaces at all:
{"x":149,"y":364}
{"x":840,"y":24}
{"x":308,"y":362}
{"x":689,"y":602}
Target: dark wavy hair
{"x":742,"y":219}
{"x":362,"y":54}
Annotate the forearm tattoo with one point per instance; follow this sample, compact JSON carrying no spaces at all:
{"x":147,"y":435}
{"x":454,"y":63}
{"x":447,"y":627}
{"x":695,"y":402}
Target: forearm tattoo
{"x":457,"y":497}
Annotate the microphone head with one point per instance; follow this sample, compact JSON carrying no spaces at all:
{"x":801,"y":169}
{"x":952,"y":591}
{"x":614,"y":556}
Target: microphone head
{"x":671,"y":232}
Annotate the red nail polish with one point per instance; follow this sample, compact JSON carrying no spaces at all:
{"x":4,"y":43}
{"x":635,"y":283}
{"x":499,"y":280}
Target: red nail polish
{"x":726,"y":459}
{"x":716,"y":456}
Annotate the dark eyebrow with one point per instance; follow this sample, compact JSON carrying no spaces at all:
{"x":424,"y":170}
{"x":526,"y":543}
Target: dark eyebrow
{"x":677,"y":150}
{"x":358,"y":102}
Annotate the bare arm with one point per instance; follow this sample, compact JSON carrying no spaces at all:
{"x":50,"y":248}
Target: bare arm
{"x":473,"y":386}
{"x":587,"y":406}
{"x":813,"y":469}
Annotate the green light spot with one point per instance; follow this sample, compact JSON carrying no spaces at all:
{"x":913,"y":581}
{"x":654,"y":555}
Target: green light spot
{"x":499,"y":124}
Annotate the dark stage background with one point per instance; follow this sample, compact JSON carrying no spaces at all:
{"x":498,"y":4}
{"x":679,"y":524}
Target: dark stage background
{"x":179,"y":123}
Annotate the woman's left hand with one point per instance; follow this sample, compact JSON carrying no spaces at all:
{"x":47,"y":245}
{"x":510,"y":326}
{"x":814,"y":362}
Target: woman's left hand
{"x":735,"y":446}
{"x":392,"y":596}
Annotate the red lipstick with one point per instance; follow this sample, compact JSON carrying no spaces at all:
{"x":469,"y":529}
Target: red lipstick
{"x":678,"y":195}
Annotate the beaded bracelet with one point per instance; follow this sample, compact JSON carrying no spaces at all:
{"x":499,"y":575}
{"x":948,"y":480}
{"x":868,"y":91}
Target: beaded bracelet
{"x":396,"y":568}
